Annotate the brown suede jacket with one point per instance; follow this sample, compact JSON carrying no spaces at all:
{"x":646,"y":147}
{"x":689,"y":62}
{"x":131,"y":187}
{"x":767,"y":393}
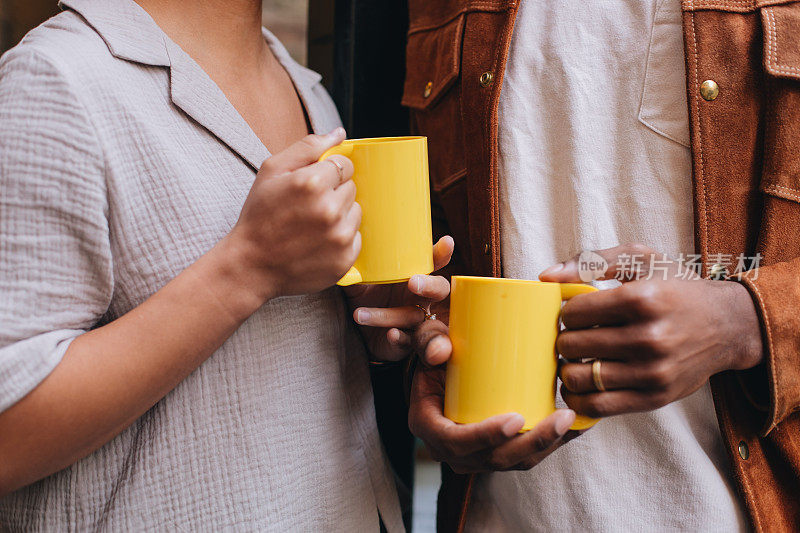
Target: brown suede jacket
{"x":746,"y":172}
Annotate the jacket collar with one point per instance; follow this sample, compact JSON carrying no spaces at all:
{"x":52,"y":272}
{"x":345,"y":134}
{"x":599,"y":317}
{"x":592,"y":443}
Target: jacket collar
{"x":132,"y":35}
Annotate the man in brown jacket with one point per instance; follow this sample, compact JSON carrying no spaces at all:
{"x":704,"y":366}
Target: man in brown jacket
{"x":556,"y":127}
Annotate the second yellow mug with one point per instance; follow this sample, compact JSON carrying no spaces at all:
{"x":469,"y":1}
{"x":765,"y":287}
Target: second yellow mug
{"x":391,"y":177}
{"x":504,"y":359}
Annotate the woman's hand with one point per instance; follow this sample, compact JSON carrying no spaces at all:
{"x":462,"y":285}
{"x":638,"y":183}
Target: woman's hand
{"x":388,"y":314}
{"x":298,"y":229}
{"x":659,"y":336}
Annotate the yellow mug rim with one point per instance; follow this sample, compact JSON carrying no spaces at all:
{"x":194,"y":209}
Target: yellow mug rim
{"x":511,"y":281}
{"x":383,"y":140}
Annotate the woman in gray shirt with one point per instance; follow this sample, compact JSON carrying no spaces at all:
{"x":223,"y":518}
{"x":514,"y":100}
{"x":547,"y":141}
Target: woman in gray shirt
{"x":170,"y":359}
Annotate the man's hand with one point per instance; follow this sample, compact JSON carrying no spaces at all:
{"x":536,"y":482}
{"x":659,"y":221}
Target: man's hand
{"x":491,"y":445}
{"x":658,"y":339}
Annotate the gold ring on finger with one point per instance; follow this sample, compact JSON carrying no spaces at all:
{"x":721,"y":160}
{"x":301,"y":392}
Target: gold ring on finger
{"x":339,"y":168}
{"x":596,"y":376}
{"x":427,"y":312}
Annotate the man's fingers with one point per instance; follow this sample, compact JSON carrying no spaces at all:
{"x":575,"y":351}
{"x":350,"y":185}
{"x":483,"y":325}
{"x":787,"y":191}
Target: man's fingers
{"x":534,"y":445}
{"x":429,"y":288}
{"x":303,"y":153}
{"x":616,"y":343}
{"x":624,"y":262}
{"x":461,"y":440}
{"x":578,"y":377}
{"x":601,"y":308}
{"x":443,"y":252}
{"x":604,"y":404}
{"x":393,"y":317}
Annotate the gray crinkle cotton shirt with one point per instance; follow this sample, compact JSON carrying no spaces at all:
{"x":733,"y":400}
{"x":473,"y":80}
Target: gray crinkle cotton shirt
{"x":121,"y":163}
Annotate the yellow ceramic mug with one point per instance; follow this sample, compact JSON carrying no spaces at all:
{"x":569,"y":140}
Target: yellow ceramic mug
{"x":391,"y":177}
{"x":504,"y":360}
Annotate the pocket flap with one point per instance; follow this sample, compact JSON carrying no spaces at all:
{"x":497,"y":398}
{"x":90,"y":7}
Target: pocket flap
{"x":663,"y":108}
{"x":781,"y":42}
{"x":433,"y":63}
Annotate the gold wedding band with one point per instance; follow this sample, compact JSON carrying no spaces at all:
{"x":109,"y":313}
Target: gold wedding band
{"x":339,"y":168}
{"x":426,"y":311}
{"x":596,"y":377}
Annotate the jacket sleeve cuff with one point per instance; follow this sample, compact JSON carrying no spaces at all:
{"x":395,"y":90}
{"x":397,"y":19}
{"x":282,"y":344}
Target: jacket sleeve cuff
{"x":775,"y":384}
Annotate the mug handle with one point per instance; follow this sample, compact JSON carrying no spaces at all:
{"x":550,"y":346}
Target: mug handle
{"x":353,"y":276}
{"x":569,"y":290}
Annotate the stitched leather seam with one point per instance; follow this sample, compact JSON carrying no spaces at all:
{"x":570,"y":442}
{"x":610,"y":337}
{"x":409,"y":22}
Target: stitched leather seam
{"x":770,"y":347}
{"x":731,"y":5}
{"x":780,"y":190}
{"x":757,"y":518}
{"x":418,"y":29}
{"x":698,"y":128}
{"x":447,"y":80}
{"x":476,"y":6}
{"x":772,"y":47}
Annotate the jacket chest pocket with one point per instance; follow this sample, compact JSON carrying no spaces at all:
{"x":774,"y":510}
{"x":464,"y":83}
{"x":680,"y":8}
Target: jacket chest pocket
{"x":781,"y":172}
{"x":432,"y":91}
{"x":663,"y":108}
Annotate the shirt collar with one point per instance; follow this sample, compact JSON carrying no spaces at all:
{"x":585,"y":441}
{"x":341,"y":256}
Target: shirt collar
{"x":131,"y":33}
{"x":128,"y":30}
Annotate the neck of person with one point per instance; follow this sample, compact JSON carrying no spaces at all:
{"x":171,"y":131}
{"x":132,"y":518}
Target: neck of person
{"x":223,"y":36}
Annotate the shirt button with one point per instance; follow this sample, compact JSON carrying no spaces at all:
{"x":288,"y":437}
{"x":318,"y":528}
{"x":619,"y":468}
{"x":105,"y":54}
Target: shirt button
{"x":717,"y":272}
{"x":428,"y":88}
{"x":486,"y":79}
{"x":709,"y":90}
{"x":744,"y":451}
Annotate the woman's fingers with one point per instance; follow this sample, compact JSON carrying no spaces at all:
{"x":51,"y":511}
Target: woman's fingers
{"x":429,"y":288}
{"x":391,"y":345}
{"x":432,"y":343}
{"x":302,"y":153}
{"x":443,"y":252}
{"x":326,"y":174}
{"x":394,"y":317}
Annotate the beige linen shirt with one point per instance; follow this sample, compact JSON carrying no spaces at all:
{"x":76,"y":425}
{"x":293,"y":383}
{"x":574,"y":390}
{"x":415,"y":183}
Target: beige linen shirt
{"x":594,"y":152}
{"x":121,"y":163}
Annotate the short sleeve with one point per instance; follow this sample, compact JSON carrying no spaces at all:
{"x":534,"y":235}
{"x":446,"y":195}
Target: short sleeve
{"x":56,"y":272}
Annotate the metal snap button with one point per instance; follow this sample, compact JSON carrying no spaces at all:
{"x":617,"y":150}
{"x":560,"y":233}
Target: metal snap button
{"x":709,"y":90}
{"x":718,"y":272}
{"x":744,"y":451}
